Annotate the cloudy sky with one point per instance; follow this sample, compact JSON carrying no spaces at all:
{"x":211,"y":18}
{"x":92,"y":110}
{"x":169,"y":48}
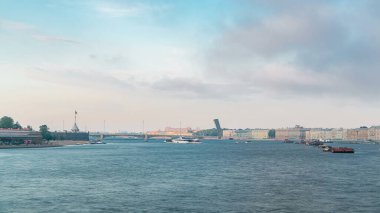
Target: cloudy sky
{"x":250,"y":63}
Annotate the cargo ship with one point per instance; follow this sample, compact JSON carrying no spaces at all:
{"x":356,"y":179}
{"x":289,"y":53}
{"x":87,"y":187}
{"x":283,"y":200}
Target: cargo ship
{"x":342,"y":150}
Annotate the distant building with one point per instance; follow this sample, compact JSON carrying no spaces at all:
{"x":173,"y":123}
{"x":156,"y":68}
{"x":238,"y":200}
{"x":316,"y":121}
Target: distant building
{"x":338,"y":134}
{"x":71,"y":136}
{"x":20,"y":136}
{"x":169,"y":131}
{"x":374,"y":133}
{"x":357,"y":134}
{"x":178,"y":130}
{"x":319,"y":134}
{"x":260,"y":134}
{"x":74,"y":135}
{"x":229,"y":133}
{"x":244,"y":134}
{"x":295,"y":133}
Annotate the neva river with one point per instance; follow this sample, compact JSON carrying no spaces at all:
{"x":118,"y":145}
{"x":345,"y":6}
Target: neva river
{"x":215,"y":176}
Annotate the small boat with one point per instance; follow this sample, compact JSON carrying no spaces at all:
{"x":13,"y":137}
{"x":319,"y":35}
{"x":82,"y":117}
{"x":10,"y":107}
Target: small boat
{"x":327,"y":149}
{"x":322,"y":146}
{"x":97,"y":142}
{"x":288,"y":141}
{"x":314,"y":143}
{"x":100,"y":142}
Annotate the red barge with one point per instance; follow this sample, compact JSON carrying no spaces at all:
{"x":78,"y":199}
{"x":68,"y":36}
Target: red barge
{"x":342,"y":150}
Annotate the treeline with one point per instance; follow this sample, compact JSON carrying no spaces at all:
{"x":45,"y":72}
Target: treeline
{"x":206,"y":132}
{"x":7,"y":122}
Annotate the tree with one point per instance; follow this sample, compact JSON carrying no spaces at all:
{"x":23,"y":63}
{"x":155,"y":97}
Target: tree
{"x":206,"y":132}
{"x":29,"y":128}
{"x":272,"y":133}
{"x":17,"y":125}
{"x":6,"y":122}
{"x":46,"y":134}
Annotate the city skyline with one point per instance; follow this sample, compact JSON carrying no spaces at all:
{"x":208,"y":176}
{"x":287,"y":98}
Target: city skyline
{"x":252,"y":64}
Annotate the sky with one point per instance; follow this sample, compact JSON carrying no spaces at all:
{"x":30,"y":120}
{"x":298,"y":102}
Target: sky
{"x":250,"y":63}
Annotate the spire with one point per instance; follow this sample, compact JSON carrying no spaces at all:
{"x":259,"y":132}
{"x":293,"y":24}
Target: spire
{"x":75,"y":127}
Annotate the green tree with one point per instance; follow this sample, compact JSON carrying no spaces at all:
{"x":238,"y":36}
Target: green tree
{"x":272,"y":133}
{"x":17,"y":125}
{"x":46,"y":134}
{"x":7,"y":122}
{"x":29,"y":127}
{"x":206,"y":132}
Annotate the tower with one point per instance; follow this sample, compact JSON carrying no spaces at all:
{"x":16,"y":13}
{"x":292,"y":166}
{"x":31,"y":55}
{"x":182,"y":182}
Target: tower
{"x":75,"y":127}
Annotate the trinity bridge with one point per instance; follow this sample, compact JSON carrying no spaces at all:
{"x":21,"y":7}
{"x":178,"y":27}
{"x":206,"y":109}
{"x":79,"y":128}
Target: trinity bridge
{"x":101,"y":136}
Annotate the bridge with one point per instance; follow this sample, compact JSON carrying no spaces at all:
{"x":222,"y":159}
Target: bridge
{"x":101,"y":136}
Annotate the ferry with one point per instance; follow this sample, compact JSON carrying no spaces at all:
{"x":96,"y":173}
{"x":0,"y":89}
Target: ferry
{"x":183,"y":140}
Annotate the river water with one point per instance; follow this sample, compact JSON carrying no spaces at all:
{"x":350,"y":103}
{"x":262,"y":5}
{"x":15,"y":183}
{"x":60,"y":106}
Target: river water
{"x":215,"y":176}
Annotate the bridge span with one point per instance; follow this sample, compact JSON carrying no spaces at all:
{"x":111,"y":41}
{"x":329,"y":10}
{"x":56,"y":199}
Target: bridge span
{"x":101,"y":136}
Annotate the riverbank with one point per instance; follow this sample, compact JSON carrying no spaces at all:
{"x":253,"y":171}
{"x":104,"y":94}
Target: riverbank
{"x":29,"y":146}
{"x":68,"y":142}
{"x":58,"y":143}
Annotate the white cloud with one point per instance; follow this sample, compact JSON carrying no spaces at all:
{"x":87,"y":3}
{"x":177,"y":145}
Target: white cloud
{"x":128,"y":10}
{"x":119,"y":12}
{"x":33,"y":32}
{"x":14,"y":25}
{"x":312,"y":49}
{"x":47,"y":38}
{"x":80,"y":78}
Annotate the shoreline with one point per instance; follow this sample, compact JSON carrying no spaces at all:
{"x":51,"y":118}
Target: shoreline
{"x":50,"y":144}
{"x":68,"y":142}
{"x":29,"y":146}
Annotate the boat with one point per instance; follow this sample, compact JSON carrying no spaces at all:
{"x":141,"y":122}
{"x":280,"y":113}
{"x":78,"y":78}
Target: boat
{"x":100,"y":142}
{"x":97,"y":142}
{"x":195,"y":140}
{"x":288,"y":141}
{"x":314,"y":143}
{"x":168,"y":140}
{"x":183,"y":140}
{"x":327,"y":149}
{"x":342,"y":150}
{"x":322,"y":146}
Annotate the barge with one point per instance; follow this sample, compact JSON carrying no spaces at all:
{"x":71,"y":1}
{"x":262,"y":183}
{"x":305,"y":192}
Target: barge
{"x":342,"y":150}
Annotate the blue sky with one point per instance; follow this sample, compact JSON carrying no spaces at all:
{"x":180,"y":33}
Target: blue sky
{"x":247,"y":62}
